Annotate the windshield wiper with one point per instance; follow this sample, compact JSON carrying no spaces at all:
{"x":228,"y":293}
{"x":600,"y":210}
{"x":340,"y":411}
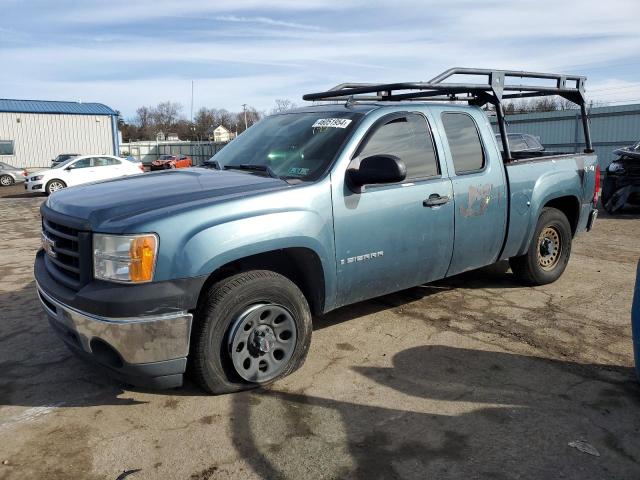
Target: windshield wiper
{"x":254,"y":167}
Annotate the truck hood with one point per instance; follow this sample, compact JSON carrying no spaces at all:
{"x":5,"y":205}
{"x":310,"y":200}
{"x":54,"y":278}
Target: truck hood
{"x":110,"y":202}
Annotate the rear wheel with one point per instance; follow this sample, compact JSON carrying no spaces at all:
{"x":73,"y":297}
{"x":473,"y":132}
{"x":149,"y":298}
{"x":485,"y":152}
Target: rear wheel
{"x":54,"y":185}
{"x":250,"y":329}
{"x":6,"y":180}
{"x":548,"y":252}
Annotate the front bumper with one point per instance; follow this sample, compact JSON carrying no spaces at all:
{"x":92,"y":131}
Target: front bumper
{"x":37,"y":186}
{"x":162,"y":166}
{"x":147,"y":351}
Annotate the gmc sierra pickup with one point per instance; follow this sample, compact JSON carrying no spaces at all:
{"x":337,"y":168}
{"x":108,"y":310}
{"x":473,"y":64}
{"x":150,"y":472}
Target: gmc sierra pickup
{"x":220,"y":270}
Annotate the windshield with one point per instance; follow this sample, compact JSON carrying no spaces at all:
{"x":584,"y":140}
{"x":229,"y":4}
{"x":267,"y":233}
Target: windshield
{"x":63,"y":164}
{"x":294,"y":145}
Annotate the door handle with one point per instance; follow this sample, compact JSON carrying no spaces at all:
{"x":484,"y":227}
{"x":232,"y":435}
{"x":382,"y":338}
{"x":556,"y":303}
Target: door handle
{"x":435,"y":199}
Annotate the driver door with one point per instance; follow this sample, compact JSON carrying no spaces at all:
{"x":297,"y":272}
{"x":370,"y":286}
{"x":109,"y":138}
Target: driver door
{"x":79,"y":172}
{"x":390,"y":237}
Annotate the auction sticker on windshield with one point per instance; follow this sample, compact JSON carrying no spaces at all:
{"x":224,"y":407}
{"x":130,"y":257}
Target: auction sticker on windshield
{"x":332,"y":123}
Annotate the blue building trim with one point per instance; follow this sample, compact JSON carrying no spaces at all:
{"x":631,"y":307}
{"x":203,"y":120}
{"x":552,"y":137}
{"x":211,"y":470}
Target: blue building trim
{"x":114,"y":131}
{"x":54,"y":107}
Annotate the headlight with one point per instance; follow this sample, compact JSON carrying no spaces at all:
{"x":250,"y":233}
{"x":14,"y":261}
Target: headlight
{"x":615,"y":167}
{"x":124,"y":258}
{"x":36,"y":178}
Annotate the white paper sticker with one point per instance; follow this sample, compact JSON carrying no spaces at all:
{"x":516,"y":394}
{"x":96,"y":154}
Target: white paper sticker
{"x":332,"y":123}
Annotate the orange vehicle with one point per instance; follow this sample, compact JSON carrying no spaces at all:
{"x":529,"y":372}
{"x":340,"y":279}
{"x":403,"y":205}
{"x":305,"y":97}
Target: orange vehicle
{"x":171,"y":161}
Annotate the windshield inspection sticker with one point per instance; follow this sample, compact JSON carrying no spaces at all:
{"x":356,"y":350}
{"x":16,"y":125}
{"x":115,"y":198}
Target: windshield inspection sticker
{"x":331,"y":123}
{"x":298,"y":172}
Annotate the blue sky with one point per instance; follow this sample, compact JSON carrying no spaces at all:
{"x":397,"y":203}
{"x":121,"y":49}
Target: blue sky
{"x":127,"y":53}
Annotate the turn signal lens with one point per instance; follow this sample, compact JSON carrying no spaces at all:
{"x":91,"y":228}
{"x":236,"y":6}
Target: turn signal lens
{"x":143,"y":258}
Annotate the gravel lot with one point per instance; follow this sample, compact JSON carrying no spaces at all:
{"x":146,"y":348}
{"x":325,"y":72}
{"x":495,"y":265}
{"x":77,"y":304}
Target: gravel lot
{"x":471,"y":377}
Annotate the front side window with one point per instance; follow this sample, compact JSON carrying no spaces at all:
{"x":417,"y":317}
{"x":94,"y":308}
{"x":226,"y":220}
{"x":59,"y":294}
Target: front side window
{"x":291,"y":145}
{"x":409,"y":138}
{"x":84,"y":163}
{"x":6,"y":147}
{"x":464,"y":142}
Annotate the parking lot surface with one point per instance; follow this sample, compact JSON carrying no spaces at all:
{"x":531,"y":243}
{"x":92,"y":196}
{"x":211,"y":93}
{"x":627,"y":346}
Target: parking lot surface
{"x":470,"y":377}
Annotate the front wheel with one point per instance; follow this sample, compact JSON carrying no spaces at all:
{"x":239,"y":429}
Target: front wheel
{"x":54,"y":185}
{"x":548,"y":252}
{"x":6,"y":180}
{"x":250,"y":329}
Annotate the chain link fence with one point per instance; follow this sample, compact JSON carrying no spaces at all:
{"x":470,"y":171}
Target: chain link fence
{"x":147,"y":152}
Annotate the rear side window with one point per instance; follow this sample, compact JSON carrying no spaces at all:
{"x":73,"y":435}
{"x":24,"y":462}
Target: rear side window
{"x":105,"y":161}
{"x":532,"y":142}
{"x":408,"y":138}
{"x":517,"y":143}
{"x":464,"y":142}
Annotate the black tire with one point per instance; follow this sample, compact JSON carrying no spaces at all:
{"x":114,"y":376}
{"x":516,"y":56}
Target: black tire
{"x":50,"y":183}
{"x":210,"y":362}
{"x":6,"y":180}
{"x":530,"y":268}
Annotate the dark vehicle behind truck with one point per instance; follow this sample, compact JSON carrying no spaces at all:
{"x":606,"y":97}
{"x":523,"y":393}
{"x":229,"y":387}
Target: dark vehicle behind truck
{"x":622,"y":180}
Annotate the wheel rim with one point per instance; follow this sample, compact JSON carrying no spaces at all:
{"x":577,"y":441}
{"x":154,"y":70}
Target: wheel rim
{"x":549,"y":248}
{"x":261,"y":342}
{"x":55,"y":186}
{"x":4,"y":180}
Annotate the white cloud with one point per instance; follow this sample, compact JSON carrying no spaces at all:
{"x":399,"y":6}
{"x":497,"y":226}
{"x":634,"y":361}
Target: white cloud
{"x":314,"y":44}
{"x":266,"y":21}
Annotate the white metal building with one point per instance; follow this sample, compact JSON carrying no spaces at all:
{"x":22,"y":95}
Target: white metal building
{"x":33,"y":132}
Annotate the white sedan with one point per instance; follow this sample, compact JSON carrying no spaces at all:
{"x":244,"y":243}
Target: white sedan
{"x":79,"y":170}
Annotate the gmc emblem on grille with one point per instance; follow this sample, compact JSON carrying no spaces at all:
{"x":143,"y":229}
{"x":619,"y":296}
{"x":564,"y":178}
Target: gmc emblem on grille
{"x":48,"y":245}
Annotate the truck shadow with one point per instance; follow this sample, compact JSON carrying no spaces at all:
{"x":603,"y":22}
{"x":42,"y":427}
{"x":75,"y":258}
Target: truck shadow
{"x":493,"y":276}
{"x":466,"y":414}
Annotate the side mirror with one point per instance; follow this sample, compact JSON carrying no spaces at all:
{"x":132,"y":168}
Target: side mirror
{"x":377,"y":169}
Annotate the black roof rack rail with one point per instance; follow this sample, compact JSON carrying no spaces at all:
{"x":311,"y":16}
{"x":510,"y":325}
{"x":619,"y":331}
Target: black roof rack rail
{"x":494,"y":90}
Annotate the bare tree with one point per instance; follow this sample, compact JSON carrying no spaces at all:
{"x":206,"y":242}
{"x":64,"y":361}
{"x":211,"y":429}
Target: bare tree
{"x":283,"y":105}
{"x":166,"y":114}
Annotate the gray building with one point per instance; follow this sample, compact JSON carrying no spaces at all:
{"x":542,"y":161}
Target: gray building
{"x":611,"y":128}
{"x":33,"y":132}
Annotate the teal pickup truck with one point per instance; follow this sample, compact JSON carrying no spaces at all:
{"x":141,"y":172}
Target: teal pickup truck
{"x":219,"y":271}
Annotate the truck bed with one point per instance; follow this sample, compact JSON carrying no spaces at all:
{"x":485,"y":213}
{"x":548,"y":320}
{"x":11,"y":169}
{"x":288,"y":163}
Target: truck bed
{"x":534,"y":181}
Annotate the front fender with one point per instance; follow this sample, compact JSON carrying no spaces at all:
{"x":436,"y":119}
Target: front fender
{"x":214,"y":246}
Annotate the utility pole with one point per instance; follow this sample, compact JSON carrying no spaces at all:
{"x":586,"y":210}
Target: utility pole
{"x":192,"y":102}
{"x":244,"y":108}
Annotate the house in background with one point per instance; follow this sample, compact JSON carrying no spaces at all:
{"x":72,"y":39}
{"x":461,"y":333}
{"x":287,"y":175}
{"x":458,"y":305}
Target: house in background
{"x":34,"y":132}
{"x":221,"y":135}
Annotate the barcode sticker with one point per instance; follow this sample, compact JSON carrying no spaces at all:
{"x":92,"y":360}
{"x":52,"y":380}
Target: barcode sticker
{"x":331,"y":123}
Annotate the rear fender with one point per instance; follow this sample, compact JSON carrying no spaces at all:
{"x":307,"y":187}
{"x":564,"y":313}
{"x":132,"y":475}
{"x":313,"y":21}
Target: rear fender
{"x":550,"y":186}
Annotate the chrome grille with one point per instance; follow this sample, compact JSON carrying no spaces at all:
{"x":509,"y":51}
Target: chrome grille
{"x":67,"y":256}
